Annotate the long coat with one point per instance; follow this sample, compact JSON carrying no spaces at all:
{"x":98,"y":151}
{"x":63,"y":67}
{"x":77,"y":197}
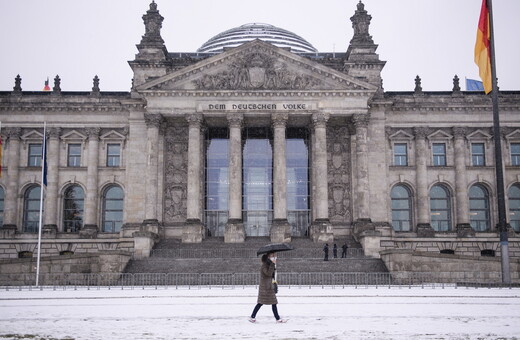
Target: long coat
{"x":266,"y":295}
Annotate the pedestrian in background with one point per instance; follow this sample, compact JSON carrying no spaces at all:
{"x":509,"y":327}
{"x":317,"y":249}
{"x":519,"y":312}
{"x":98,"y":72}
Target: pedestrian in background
{"x":344,"y":248}
{"x":326,"y":251}
{"x":335,"y":251}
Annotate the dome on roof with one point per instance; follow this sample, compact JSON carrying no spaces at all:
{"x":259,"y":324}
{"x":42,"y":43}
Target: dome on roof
{"x":249,"y":32}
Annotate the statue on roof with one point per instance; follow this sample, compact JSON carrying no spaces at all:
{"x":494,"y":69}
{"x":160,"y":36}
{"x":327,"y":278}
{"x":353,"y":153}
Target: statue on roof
{"x":361,"y":23}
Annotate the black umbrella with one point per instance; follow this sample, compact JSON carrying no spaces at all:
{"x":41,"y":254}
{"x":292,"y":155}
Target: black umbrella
{"x":274,"y":248}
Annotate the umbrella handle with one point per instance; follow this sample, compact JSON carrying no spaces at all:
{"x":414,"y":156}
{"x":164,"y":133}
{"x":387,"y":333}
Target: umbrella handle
{"x":275,"y":273}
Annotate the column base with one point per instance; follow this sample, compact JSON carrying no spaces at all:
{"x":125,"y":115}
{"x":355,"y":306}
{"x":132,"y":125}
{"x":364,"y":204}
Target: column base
{"x":8,"y":231}
{"x":151,"y":225}
{"x":89,"y":231}
{"x":280,"y":231}
{"x":193,"y":231}
{"x":425,"y":230}
{"x":321,"y":231}
{"x":464,"y":230}
{"x":234,"y":232}
{"x":143,"y":243}
{"x":49,"y":231}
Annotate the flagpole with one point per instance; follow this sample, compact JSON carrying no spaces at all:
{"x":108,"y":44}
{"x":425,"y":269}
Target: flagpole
{"x":502,"y":219}
{"x":41,"y":206}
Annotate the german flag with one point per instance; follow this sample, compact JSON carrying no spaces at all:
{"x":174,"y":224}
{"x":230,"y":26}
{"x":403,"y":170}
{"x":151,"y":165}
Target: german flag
{"x":483,"y":49}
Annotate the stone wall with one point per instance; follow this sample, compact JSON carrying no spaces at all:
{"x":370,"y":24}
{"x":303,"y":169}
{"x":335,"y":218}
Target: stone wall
{"x":23,"y":271}
{"x":407,"y":265}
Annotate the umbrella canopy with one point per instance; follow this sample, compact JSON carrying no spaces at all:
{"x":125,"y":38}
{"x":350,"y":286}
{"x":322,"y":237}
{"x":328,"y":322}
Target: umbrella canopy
{"x":274,"y":248}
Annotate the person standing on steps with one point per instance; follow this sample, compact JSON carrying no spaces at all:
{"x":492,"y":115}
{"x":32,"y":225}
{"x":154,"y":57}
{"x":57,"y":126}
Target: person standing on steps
{"x":266,"y":289}
{"x":335,"y":251}
{"x":326,"y":251}
{"x":344,"y":248}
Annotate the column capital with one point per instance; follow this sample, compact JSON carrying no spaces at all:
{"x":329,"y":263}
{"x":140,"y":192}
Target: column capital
{"x":279,"y":119}
{"x":319,"y":119}
{"x":93,"y":133}
{"x":460,"y":132}
{"x":235,"y":120}
{"x":194,"y":119}
{"x":54,"y":132}
{"x":421,"y":132}
{"x":360,"y":120}
{"x":13,"y":132}
{"x":153,"y":119}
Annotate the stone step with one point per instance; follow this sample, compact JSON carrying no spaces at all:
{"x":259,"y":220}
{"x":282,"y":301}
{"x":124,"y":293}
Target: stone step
{"x":249,"y":265}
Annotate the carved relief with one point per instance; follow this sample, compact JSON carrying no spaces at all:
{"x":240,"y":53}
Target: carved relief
{"x":176,"y":173}
{"x":338,"y":164}
{"x":256,"y":71}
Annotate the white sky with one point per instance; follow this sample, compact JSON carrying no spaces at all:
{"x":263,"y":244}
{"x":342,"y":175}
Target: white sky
{"x":79,"y":39}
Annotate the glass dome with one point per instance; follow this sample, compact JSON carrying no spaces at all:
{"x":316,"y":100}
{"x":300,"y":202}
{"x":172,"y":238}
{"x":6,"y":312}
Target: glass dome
{"x":248,"y":32}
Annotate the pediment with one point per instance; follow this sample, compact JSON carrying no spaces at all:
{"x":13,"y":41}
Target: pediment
{"x":513,"y":135}
{"x":257,"y":66}
{"x":32,"y":135}
{"x":73,"y":135}
{"x":479,"y":134}
{"x":401,"y":135}
{"x":439,"y":134}
{"x":112,"y":135}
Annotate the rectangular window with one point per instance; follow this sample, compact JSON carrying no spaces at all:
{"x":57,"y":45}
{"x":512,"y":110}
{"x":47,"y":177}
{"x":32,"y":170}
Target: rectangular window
{"x":113,"y":155}
{"x":400,"y":154}
{"x":74,"y":155}
{"x":439,"y":154}
{"x":515,"y":154}
{"x":478,"y":157}
{"x":35,"y":155}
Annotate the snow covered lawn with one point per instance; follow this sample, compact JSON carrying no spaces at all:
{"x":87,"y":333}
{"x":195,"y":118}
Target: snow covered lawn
{"x":316,"y":313}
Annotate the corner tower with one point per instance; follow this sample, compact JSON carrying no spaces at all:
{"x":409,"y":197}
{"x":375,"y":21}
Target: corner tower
{"x":361,"y":60}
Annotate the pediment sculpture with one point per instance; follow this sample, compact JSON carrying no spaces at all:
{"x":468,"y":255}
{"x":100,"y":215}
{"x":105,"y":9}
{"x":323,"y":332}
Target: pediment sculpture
{"x":257,"y":71}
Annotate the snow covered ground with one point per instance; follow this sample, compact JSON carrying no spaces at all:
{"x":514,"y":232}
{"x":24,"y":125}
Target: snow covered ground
{"x":313,"y":313}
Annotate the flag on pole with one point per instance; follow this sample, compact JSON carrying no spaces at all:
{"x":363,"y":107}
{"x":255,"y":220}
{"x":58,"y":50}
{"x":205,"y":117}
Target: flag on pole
{"x":474,"y":85}
{"x":47,"y":87}
{"x":483,"y":49}
{"x":44,"y":159}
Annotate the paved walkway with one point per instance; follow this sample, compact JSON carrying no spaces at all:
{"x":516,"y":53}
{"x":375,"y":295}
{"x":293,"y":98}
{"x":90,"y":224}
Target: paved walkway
{"x":395,"y":313}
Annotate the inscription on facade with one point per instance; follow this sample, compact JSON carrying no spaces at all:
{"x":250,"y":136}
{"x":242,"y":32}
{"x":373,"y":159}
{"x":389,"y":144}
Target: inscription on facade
{"x":259,"y":106}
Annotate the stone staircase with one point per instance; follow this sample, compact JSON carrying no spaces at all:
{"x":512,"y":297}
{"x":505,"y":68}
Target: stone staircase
{"x":215,"y":256}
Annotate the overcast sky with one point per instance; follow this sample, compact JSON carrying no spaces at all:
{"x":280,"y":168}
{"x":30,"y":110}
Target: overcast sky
{"x":79,"y":39}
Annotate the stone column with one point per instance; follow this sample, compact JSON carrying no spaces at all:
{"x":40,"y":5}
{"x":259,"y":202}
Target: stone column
{"x":153,"y":123}
{"x":362,"y":188}
{"x":51,"y":194}
{"x":461,"y":183}
{"x":193,"y":230}
{"x":11,"y":192}
{"x":235,"y":232}
{"x":90,"y":227}
{"x":321,"y":229}
{"x":281,"y":229}
{"x":421,"y":178}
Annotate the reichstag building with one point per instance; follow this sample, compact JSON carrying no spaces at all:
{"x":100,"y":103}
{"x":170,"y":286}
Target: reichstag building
{"x":257,"y":134}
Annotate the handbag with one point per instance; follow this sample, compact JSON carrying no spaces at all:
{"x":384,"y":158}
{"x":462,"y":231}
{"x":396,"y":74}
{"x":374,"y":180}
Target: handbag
{"x":275,"y":286}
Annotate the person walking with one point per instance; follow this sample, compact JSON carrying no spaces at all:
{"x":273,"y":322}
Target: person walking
{"x":344,"y":248}
{"x":266,"y":288}
{"x":335,"y":251}
{"x":326,"y":251}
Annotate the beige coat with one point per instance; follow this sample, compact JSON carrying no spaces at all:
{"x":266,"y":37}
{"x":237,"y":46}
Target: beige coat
{"x":266,"y":295}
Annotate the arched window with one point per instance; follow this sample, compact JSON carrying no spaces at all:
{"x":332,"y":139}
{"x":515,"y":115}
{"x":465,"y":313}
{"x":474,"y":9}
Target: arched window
{"x":401,"y":208}
{"x":2,"y":196}
{"x":514,"y":207}
{"x":479,"y":208}
{"x":113,"y":209}
{"x":440,"y":208}
{"x":31,"y":209}
{"x":73,"y":203}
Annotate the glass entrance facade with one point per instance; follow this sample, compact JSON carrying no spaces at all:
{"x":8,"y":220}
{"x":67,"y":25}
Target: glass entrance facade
{"x":217,"y":180}
{"x":257,"y":180}
{"x":297,"y":162}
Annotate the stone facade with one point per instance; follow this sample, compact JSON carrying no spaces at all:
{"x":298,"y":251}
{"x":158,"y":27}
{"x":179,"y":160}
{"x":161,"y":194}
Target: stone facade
{"x":139,"y":157}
